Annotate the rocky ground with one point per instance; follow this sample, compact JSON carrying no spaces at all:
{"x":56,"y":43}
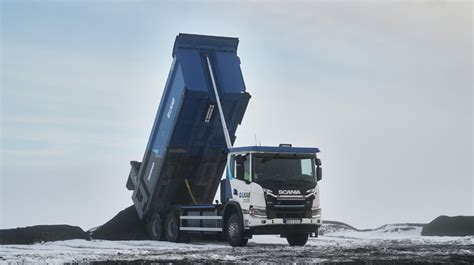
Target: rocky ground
{"x":389,"y":244}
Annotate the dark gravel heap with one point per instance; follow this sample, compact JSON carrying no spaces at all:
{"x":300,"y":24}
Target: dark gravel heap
{"x":126,"y":225}
{"x":450,"y":226}
{"x":41,"y":233}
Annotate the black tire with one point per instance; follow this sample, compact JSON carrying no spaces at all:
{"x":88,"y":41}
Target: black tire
{"x":299,"y":239}
{"x":155,"y":227}
{"x":172,"y":227}
{"x":235,"y":231}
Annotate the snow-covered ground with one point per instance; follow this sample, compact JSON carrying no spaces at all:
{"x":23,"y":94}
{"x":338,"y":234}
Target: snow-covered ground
{"x":390,"y":243}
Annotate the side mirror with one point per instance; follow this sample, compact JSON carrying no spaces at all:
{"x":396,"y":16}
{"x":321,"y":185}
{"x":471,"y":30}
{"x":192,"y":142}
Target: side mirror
{"x":318,"y":162}
{"x":319,"y":170}
{"x":240,"y":166}
{"x":240,"y":159}
{"x":239,"y":174}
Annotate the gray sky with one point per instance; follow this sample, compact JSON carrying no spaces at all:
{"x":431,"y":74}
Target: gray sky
{"x":384,"y":90}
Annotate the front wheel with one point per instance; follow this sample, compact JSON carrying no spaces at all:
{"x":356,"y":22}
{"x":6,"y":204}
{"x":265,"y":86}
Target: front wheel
{"x":235,"y":231}
{"x":299,"y":239}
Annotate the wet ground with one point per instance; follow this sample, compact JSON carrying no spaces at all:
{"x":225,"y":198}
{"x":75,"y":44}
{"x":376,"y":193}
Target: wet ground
{"x":373,"y":251}
{"x":261,"y":249}
{"x":339,"y":243}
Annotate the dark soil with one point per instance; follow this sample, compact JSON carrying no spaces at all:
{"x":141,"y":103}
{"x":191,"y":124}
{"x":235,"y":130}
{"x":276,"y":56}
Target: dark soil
{"x":126,"y":225}
{"x":450,"y":226}
{"x":41,"y":233}
{"x":377,"y":252}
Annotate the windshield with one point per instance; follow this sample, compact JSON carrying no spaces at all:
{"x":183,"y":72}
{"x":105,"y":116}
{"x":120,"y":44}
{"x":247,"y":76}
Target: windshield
{"x":284,"y":168}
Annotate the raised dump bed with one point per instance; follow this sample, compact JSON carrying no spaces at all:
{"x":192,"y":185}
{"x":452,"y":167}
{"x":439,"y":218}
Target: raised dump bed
{"x":187,"y":147}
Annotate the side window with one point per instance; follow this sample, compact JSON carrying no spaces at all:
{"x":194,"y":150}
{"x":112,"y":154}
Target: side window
{"x":306,"y":167}
{"x":242,"y":167}
{"x":230,"y":170}
{"x":247,"y":168}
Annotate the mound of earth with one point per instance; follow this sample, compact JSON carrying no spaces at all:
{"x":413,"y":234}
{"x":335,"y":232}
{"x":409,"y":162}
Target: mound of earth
{"x":450,"y":226}
{"x":340,"y":228}
{"x":41,"y":233}
{"x":126,"y":225}
{"x":330,"y":227}
{"x":396,"y":228}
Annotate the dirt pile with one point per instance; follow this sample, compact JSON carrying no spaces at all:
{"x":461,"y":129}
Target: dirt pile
{"x":330,"y":227}
{"x":334,"y":226}
{"x":126,"y":225}
{"x":450,"y":226}
{"x":41,"y":233}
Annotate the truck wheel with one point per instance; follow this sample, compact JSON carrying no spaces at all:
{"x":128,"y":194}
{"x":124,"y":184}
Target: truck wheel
{"x":155,"y":227}
{"x":172,"y":227}
{"x":299,"y":239}
{"x":235,"y":231}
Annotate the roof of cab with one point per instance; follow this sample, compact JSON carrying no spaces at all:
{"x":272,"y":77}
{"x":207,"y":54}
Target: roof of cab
{"x":275,"y":149}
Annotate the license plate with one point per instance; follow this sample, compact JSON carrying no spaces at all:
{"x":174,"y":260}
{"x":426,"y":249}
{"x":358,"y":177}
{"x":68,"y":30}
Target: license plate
{"x":292,"y":221}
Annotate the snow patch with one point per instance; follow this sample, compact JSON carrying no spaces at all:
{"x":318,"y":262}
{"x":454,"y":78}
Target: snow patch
{"x":338,"y":243}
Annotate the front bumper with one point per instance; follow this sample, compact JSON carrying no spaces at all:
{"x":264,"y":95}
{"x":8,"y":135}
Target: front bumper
{"x":279,"y":229}
{"x":263,"y":225}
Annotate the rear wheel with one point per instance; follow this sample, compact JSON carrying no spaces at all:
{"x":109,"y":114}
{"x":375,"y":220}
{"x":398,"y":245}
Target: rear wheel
{"x":235,"y":231}
{"x":298,"y":239}
{"x":155,"y":227}
{"x":172,"y":227}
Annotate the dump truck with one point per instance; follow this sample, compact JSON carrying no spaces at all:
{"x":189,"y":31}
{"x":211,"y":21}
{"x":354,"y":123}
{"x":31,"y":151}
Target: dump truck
{"x":265,"y":189}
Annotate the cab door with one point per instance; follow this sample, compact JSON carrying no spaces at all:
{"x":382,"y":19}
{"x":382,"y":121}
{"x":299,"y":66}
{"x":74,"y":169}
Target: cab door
{"x":241,"y":180}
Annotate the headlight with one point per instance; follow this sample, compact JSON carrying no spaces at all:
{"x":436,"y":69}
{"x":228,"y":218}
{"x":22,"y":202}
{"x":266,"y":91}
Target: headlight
{"x":309,"y":193}
{"x":269,"y":192}
{"x":315,"y":212}
{"x":258,"y":212}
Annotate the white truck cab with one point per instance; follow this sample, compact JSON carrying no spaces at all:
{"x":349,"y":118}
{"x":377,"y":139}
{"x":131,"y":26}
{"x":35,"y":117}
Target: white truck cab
{"x":271,"y":190}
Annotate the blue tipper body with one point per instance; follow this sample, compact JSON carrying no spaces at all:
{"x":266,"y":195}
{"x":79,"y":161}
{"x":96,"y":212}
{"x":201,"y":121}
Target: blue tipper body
{"x":187,"y":139}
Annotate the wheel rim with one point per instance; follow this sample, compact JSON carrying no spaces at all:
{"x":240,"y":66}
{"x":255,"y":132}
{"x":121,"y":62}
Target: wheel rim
{"x":155,"y":228}
{"x":171,"y":229}
{"x":233,"y":230}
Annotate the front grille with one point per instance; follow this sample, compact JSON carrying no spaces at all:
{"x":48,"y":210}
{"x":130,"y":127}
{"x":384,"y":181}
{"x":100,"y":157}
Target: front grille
{"x":284,"y":211}
{"x":288,"y":214}
{"x":288,"y":206}
{"x":290,"y":203}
